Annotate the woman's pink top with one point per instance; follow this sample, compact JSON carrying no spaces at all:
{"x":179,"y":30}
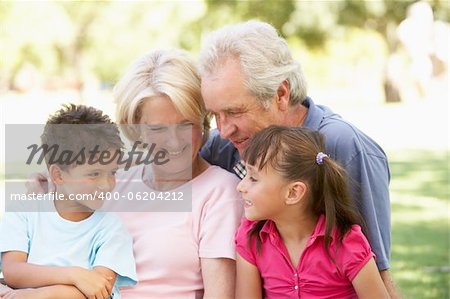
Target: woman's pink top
{"x":168,"y":246}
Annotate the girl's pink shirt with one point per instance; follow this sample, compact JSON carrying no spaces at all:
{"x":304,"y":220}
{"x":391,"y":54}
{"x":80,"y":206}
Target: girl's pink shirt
{"x":315,"y":276}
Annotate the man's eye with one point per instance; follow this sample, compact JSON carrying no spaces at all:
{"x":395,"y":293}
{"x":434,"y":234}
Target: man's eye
{"x":234,"y":113}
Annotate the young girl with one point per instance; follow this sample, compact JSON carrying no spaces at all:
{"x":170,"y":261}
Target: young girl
{"x":301,"y":238}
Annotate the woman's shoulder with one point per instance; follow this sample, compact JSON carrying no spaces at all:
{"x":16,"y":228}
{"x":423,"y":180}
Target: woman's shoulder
{"x":216,"y":184}
{"x":218,"y":176}
{"x":130,"y":173}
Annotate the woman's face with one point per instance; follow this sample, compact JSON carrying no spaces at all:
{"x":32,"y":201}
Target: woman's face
{"x":163,"y":125}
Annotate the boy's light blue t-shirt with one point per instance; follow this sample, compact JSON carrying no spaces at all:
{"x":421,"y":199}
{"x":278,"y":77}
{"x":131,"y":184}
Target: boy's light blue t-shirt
{"x":50,"y":240}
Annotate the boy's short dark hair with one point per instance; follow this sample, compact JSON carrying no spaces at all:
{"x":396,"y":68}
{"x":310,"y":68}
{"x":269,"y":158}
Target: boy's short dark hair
{"x":78,"y":128}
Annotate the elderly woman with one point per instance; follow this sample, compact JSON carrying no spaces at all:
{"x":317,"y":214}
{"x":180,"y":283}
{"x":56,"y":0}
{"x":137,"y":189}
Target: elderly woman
{"x":178,"y":254}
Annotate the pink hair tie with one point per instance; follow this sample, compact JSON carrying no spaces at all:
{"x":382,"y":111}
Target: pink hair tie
{"x":319,"y":158}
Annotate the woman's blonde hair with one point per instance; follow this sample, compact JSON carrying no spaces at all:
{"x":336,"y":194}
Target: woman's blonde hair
{"x":163,"y":72}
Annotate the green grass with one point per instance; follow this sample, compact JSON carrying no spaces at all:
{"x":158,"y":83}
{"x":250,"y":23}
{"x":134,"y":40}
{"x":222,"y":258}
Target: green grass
{"x":420,"y":223}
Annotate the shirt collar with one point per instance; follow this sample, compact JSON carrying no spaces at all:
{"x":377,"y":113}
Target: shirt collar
{"x":314,"y":116}
{"x":269,"y":229}
{"x":319,"y":230}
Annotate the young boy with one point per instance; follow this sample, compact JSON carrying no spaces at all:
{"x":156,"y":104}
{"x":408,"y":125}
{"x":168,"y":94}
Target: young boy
{"x":73,"y":251}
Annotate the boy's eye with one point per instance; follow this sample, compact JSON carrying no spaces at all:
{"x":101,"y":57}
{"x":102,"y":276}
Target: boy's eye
{"x":94,"y":174}
{"x":113,"y":172}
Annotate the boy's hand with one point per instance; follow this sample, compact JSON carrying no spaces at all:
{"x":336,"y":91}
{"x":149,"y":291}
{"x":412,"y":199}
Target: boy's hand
{"x":39,"y":182}
{"x":92,"y":283}
{"x":4,"y":290}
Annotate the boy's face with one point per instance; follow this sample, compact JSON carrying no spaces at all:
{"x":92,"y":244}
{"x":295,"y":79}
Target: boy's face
{"x":84,"y":184}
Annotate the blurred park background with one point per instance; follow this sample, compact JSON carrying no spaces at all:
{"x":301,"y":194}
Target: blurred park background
{"x":381,"y":64}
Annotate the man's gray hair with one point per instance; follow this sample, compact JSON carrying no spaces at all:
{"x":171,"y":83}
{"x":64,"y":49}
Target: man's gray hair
{"x":264,"y":56}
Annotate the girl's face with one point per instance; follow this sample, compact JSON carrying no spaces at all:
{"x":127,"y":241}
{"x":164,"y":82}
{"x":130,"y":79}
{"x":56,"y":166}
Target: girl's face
{"x":180,"y":138}
{"x":264,"y":192}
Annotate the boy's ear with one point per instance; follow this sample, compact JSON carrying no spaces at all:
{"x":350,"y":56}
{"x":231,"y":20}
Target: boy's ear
{"x":55,"y":174}
{"x":296,"y":192}
{"x":283,"y":96}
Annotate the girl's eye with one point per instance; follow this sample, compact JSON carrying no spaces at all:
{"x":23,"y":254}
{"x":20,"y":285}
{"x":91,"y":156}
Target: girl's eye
{"x":252,"y":179}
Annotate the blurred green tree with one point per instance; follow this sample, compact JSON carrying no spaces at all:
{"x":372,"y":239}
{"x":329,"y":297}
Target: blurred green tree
{"x":85,"y":39}
{"x":72,"y":56}
{"x":71,"y":42}
{"x":315,"y":22}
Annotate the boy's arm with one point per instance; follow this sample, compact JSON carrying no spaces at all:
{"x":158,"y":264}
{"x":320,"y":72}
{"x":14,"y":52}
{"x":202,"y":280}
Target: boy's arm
{"x":20,"y":274}
{"x":50,"y":292}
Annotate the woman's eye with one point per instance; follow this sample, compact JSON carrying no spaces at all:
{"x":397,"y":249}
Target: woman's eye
{"x":155,"y":129}
{"x":185,"y":125}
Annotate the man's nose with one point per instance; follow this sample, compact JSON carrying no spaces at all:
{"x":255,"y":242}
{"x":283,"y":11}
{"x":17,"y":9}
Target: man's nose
{"x":226,"y":128}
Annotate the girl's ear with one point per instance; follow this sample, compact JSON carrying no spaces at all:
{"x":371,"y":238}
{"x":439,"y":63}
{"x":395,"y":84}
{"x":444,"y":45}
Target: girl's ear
{"x":296,"y":192}
{"x":56,"y":174}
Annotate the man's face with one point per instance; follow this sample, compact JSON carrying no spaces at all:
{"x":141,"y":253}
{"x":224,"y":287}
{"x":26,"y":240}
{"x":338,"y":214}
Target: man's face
{"x":239,"y":115}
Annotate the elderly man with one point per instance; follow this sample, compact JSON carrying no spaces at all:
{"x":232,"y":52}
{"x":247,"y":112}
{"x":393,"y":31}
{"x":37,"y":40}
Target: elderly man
{"x":250,"y":81}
